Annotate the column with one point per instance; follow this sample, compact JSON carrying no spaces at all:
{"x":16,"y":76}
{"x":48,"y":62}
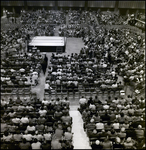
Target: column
{"x":56,"y":5}
{"x":116,"y":6}
{"x":86,"y":5}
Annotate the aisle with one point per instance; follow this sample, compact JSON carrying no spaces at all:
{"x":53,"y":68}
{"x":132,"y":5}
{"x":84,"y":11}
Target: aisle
{"x":67,"y":19}
{"x":80,"y":139}
{"x":39,"y":89}
{"x":56,"y":33}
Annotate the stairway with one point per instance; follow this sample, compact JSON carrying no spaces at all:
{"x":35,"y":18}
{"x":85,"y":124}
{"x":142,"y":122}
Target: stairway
{"x":80,"y":139}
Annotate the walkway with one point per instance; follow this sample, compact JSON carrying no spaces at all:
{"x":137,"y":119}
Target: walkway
{"x":80,"y":139}
{"x":67,"y":20}
{"x":56,"y":33}
{"x":39,"y":89}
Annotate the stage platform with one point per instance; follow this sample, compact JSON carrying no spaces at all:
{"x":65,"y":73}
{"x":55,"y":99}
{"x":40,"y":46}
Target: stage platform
{"x":48,"y":43}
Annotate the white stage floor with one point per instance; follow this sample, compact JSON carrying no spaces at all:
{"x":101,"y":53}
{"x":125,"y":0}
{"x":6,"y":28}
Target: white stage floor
{"x":48,"y":41}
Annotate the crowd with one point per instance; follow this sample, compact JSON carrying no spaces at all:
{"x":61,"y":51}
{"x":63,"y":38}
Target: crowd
{"x":67,"y":72}
{"x":123,"y":48}
{"x":42,"y":15}
{"x":141,"y":16}
{"x":74,"y":25}
{"x":57,"y":17}
{"x":110,"y":18}
{"x":108,"y":53}
{"x":16,"y":71}
{"x":29,"y":123}
{"x":114,"y":123}
{"x":72,"y":30}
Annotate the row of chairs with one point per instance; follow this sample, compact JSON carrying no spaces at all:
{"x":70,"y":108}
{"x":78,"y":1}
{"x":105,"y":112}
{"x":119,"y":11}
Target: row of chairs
{"x":78,"y":94}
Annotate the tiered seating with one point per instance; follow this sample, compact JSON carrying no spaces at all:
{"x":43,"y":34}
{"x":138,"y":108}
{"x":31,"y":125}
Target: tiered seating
{"x":110,"y":18}
{"x":42,"y":22}
{"x":76,"y":20}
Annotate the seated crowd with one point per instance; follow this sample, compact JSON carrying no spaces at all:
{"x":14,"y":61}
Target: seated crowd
{"x":67,"y":72}
{"x":110,"y":18}
{"x":110,"y":123}
{"x":32,"y":23}
{"x":28,"y":123}
{"x":16,"y":71}
{"x":73,"y":28}
{"x":123,"y":48}
{"x":114,"y":123}
{"x":105,"y":53}
{"x":141,"y":16}
{"x":48,"y":16}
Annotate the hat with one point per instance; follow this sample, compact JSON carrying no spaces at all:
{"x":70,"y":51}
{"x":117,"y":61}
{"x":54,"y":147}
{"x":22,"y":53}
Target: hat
{"x":129,"y":139}
{"x":97,"y":142}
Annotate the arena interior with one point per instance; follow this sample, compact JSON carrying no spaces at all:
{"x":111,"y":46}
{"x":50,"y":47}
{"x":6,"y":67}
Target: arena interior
{"x":81,"y":84}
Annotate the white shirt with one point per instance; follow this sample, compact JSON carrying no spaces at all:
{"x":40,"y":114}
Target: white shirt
{"x":28,"y":137}
{"x":42,"y":112}
{"x":47,"y":86}
{"x":3,"y":78}
{"x":12,"y":70}
{"x":54,"y":73}
{"x":114,"y":85}
{"x":113,"y":73}
{"x":7,"y":138}
{"x":116,"y":125}
{"x":47,"y":136}
{"x":29,"y":107}
{"x":22,"y":70}
{"x":99,"y":125}
{"x":38,"y":137}
{"x":36,"y":145}
{"x":21,"y":107}
{"x":24,"y":120}
{"x":29,"y":128}
{"x":45,"y":102}
{"x":93,"y":107}
{"x":3,"y":103}
{"x":16,"y":120}
{"x":106,"y":106}
{"x":82,"y":101}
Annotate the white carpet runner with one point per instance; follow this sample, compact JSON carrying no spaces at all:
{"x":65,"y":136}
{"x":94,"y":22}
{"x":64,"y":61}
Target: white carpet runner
{"x":80,"y":139}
